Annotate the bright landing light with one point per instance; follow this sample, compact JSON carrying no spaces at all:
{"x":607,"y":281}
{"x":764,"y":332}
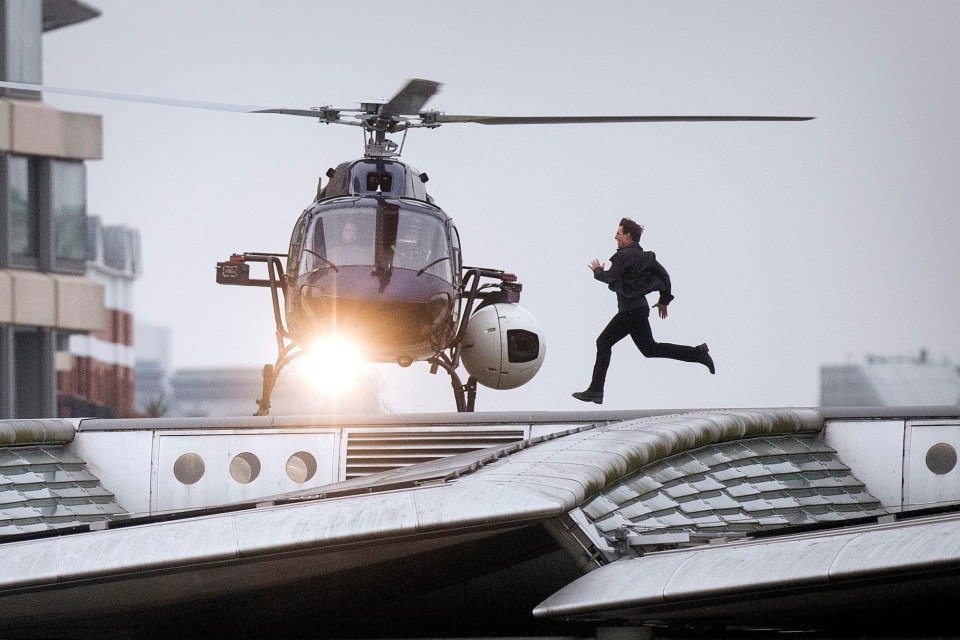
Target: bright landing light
{"x":333,"y":364}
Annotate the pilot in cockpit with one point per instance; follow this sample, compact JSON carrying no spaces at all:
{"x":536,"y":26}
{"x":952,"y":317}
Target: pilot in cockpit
{"x":348,"y":233}
{"x":350,"y":249}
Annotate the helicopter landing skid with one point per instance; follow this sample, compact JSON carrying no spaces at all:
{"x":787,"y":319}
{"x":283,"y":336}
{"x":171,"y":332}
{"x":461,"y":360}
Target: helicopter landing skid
{"x":465,"y":395}
{"x":263,"y":402}
{"x":236,"y":272}
{"x":270,"y":372}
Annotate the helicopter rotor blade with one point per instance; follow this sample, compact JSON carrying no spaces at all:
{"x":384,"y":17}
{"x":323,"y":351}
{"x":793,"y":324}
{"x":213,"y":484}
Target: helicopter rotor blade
{"x":172,"y":102}
{"x":322,"y":112}
{"x":410,"y":99}
{"x":444,"y":118}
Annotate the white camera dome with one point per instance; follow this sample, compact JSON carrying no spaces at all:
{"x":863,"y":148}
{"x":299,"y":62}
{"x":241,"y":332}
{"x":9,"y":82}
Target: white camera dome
{"x":503,"y":347}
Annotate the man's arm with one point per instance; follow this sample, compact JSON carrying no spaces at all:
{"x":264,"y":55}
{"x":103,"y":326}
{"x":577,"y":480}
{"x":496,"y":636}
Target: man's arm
{"x":614,"y":273}
{"x":665,"y":296}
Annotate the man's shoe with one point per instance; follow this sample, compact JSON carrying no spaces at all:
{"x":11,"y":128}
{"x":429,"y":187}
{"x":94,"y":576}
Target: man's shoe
{"x":705,"y":358}
{"x":589,"y":396}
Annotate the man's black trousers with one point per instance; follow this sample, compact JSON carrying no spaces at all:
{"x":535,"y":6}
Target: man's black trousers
{"x":636,"y":324}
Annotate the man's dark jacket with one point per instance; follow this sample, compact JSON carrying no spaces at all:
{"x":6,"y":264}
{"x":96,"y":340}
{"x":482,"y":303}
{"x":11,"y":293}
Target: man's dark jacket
{"x":634,"y":273}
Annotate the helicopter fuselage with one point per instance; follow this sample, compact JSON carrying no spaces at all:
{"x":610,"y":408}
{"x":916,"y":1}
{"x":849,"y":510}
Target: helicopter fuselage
{"x":374,"y":261}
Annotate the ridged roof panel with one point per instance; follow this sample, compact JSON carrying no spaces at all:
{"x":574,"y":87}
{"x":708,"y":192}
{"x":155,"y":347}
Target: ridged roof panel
{"x":729,"y":489}
{"x":45,"y":487}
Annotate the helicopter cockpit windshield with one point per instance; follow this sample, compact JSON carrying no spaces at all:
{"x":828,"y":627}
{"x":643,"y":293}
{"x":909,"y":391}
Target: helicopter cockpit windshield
{"x":385,"y":237}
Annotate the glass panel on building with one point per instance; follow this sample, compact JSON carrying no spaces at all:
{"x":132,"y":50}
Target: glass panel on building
{"x":29,"y":392}
{"x":21,"y":40}
{"x":68,"y":212}
{"x":22,"y":212}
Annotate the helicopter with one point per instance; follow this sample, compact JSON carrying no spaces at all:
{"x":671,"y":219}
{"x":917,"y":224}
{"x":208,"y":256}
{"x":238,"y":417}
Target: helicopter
{"x":375,"y":261}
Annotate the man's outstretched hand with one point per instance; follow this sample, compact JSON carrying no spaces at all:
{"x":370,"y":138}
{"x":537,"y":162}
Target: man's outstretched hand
{"x":661,"y":309}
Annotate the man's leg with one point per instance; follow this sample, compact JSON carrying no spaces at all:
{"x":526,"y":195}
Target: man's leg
{"x":615,"y":331}
{"x":638,"y":324}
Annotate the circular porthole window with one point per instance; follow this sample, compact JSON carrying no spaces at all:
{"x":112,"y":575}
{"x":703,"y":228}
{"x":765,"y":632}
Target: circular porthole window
{"x":245,"y":467}
{"x":941,"y":458}
{"x":188,"y":468}
{"x":301,"y":467}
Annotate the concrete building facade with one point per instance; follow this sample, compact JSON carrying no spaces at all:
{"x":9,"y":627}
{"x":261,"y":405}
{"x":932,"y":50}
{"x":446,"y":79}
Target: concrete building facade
{"x":45,"y":293}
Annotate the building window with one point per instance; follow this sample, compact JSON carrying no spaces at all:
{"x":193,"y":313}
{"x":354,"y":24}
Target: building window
{"x":33,"y":384}
{"x":22,"y":211}
{"x":23,"y":24}
{"x":68,"y":215}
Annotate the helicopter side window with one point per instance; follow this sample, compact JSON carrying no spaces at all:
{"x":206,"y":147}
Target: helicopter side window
{"x":296,"y":240}
{"x":441,"y":258}
{"x":313,"y":250}
{"x":457,"y":256}
{"x":413,"y":185}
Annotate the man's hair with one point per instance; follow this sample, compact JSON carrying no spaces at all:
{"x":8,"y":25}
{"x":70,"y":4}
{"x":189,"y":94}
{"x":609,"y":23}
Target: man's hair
{"x":631,"y":228}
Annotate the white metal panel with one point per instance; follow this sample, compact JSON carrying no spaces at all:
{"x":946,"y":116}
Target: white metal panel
{"x":873,"y":449}
{"x":923,"y":484}
{"x":217,"y":450}
{"x":121,"y":460}
{"x":26,"y":563}
{"x":327,"y":522}
{"x":147,"y":546}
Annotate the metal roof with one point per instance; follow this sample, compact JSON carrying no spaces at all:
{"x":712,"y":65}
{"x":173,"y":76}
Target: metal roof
{"x":686,"y":470}
{"x":44,"y":487}
{"x":729,"y":489}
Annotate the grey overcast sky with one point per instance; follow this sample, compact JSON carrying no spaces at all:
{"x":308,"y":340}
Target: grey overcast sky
{"x":790,"y":245}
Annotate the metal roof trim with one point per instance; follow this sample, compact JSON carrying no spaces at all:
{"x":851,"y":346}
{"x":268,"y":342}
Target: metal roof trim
{"x":36,"y":432}
{"x":670,"y":584}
